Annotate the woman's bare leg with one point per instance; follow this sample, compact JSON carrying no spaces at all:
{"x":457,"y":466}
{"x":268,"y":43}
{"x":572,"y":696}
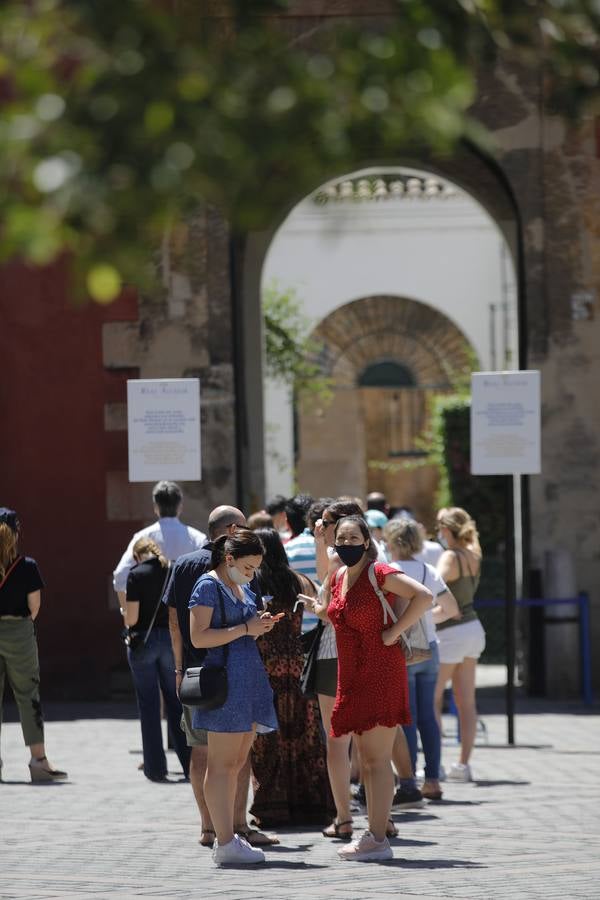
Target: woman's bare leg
{"x":401,"y":755}
{"x":463,"y":686}
{"x":444,"y":676}
{"x":375,"y":747}
{"x":338,"y":764}
{"x":226,"y":756}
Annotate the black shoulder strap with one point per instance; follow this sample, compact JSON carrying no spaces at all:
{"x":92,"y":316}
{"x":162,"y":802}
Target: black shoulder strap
{"x":457,"y":553}
{"x":160,"y":596}
{"x":424,"y":574}
{"x":9,"y":570}
{"x":224,"y":623}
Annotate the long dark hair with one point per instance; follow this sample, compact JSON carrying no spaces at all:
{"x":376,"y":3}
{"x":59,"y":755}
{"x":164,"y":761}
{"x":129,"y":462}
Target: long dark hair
{"x":275,"y":575}
{"x":242,"y":542}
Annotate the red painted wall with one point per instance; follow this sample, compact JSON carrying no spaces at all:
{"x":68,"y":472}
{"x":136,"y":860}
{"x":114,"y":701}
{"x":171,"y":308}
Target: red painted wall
{"x":54,"y":454}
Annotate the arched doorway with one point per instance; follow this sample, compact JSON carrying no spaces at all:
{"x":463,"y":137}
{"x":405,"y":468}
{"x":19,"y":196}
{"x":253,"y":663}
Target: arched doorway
{"x":395,"y":232}
{"x":386,"y":358}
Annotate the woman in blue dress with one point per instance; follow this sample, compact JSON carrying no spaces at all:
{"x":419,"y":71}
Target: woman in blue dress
{"x":249,"y":706}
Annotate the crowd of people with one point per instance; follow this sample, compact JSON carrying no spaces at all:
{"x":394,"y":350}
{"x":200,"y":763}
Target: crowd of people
{"x":306,"y":605}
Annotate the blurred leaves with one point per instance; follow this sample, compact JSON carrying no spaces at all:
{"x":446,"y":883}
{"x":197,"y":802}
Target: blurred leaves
{"x":289,"y":348}
{"x":120,"y":117}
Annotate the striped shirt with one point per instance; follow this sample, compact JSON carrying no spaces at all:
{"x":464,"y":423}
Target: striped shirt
{"x":302,"y":557}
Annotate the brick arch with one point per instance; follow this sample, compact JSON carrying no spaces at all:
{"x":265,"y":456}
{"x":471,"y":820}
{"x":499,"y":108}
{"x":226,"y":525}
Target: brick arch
{"x":377,"y":328}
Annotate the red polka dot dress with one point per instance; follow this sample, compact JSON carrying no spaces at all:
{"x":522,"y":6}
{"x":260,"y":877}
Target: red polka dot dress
{"x":372,"y":682}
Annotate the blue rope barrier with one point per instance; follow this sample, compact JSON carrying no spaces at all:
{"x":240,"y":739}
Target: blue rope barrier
{"x":583,"y":602}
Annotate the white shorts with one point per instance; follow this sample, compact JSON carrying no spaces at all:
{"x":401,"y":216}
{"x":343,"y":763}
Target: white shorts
{"x":460,"y":641}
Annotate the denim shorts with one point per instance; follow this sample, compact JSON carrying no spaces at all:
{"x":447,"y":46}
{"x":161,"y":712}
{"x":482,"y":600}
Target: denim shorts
{"x":457,"y":642}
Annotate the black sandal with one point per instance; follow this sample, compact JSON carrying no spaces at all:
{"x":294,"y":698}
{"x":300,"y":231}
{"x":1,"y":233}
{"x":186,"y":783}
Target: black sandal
{"x":204,"y":843}
{"x":340,"y":835}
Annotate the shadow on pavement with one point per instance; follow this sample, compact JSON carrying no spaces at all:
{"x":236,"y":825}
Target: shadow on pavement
{"x":286,"y":848}
{"x":576,"y":752}
{"x":432,"y":864}
{"x":444,"y":802}
{"x":287,"y":864}
{"x":37,"y":784}
{"x":399,"y":841}
{"x":400,"y":817}
{"x":70,"y":712}
{"x":491,"y":701}
{"x":499,"y":783}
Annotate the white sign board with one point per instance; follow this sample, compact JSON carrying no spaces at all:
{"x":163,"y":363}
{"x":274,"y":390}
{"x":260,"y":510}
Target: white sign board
{"x":505,"y":423}
{"x":163,"y":420}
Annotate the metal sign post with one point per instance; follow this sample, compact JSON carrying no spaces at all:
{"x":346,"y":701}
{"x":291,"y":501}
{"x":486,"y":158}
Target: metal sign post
{"x":506,"y":440}
{"x":510,"y":601}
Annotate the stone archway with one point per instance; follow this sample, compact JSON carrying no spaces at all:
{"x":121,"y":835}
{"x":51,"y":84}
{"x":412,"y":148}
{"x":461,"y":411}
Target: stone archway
{"x":364,"y":439}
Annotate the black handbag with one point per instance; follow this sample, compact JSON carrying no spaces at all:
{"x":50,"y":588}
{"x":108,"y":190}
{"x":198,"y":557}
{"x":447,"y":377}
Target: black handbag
{"x":310,"y":644}
{"x":206,"y":687}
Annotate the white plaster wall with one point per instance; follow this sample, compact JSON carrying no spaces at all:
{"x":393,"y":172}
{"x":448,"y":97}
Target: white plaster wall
{"x":448,"y":253}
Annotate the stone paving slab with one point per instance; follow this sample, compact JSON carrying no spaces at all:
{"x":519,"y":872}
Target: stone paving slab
{"x":528,"y":827}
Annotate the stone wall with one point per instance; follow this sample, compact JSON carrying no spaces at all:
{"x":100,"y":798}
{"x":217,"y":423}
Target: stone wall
{"x":184,"y":331}
{"x":541,"y":183}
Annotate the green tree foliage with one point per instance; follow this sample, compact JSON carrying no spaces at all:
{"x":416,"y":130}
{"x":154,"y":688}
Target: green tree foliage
{"x":120,"y":116}
{"x":289,"y":347}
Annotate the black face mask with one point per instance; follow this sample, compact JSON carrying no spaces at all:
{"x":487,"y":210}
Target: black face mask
{"x":350,"y":554}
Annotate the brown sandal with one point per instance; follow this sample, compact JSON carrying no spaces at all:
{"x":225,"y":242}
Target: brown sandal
{"x":391,"y":831}
{"x":257,"y":838}
{"x":207,"y":842}
{"x":336,"y":833}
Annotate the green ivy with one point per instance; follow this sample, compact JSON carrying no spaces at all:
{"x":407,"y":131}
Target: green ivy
{"x":483,"y":496}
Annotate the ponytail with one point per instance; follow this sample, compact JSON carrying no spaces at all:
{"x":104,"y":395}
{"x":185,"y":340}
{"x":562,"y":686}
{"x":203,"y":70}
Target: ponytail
{"x":461,"y":525}
{"x":147,"y":545}
{"x":218,"y":551}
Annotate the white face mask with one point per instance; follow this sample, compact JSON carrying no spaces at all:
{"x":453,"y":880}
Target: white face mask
{"x":238,"y":577}
{"x":442,"y":540}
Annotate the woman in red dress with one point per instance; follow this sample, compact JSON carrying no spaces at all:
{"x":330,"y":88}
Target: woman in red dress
{"x":372,"y":694}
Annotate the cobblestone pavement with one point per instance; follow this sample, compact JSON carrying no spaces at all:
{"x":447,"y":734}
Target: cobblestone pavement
{"x":528,"y":827}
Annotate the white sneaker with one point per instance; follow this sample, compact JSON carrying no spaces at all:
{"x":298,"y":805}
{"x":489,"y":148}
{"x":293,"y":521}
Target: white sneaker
{"x":367,"y":849}
{"x":460,"y":772}
{"x":237,"y":852}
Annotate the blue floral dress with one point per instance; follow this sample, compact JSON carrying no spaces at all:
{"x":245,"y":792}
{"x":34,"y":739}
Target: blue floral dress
{"x":250,"y":698}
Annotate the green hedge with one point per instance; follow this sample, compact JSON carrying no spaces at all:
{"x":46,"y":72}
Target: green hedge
{"x":483,"y":496}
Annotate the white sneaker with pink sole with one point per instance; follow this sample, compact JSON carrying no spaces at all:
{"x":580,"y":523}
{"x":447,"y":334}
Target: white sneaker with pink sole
{"x":367,"y":849}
